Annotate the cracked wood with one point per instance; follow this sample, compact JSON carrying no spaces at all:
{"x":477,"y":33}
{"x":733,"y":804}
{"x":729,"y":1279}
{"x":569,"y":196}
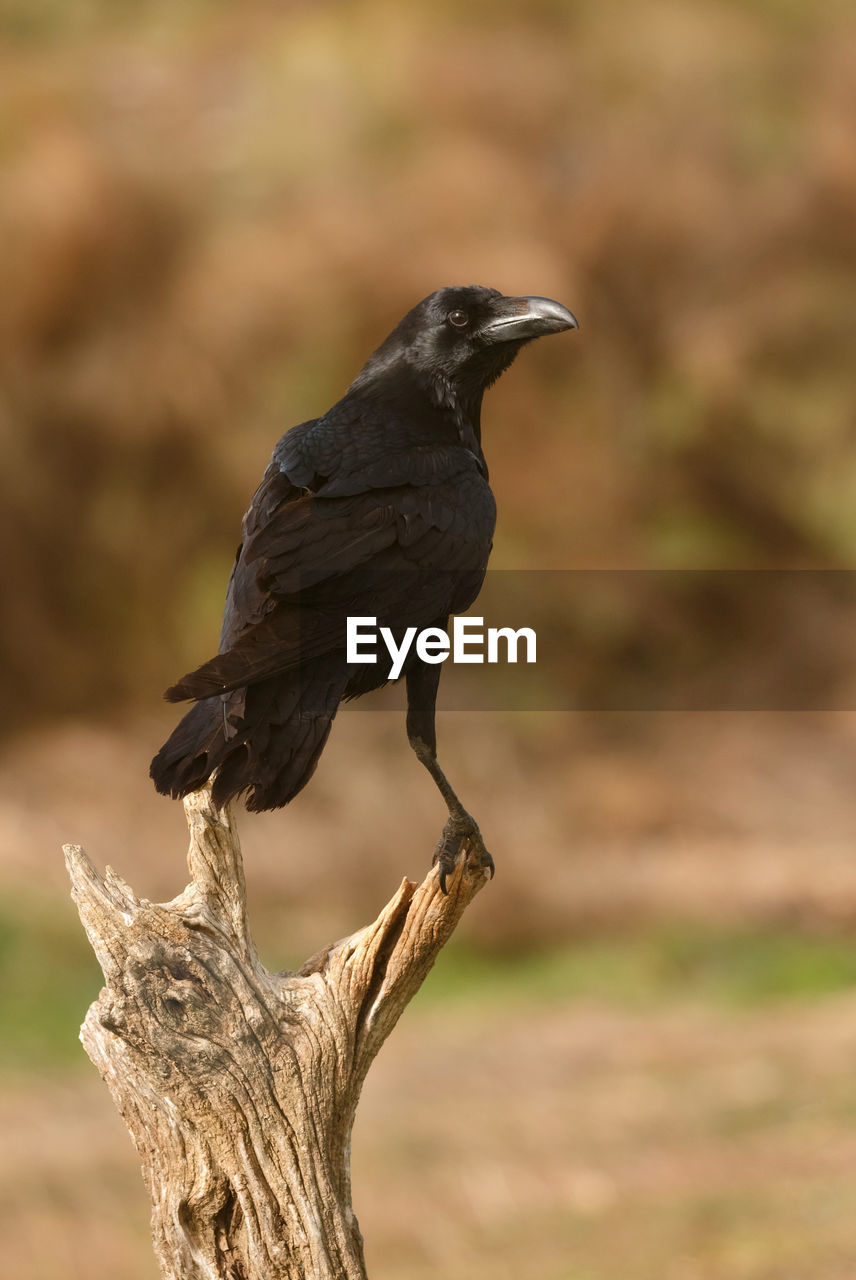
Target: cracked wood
{"x":239,"y":1087}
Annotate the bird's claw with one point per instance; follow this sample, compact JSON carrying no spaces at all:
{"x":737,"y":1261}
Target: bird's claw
{"x":460,"y":831}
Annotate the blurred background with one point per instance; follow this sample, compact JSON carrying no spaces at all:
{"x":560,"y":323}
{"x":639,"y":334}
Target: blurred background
{"x":636,"y":1059}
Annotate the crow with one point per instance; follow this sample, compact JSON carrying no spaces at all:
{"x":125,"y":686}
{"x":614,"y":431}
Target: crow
{"x":381,"y":508}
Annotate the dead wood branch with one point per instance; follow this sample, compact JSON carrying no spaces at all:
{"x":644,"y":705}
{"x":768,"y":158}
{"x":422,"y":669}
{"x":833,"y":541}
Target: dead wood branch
{"x":240,"y":1086}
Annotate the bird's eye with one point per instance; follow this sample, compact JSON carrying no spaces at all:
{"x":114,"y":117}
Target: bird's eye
{"x":459,"y":319}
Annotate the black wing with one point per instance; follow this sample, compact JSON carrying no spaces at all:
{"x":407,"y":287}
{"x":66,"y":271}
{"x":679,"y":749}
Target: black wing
{"x":409,"y":546}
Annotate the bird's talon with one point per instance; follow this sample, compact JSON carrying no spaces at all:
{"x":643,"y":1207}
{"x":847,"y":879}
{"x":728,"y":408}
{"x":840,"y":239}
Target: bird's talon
{"x":446,"y":855}
{"x":460,"y":833}
{"x":481,"y":856}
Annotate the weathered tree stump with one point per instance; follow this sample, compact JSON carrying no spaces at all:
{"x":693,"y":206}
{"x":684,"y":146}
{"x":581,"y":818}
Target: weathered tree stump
{"x":240,"y":1086}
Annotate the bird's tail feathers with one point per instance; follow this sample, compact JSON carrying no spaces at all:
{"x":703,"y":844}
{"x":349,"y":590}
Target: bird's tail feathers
{"x":194,"y":749}
{"x":269,"y":752}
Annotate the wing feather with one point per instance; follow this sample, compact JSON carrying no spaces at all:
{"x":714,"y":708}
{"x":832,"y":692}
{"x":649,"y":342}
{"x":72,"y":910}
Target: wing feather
{"x":405,"y":552}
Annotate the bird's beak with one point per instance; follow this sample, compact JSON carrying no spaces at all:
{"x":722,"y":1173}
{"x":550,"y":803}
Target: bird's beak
{"x":514,"y":319}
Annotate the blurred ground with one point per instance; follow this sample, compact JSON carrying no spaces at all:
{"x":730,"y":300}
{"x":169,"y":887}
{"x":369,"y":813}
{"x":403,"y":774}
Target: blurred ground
{"x":637,"y":1060}
{"x":676,"y":1141}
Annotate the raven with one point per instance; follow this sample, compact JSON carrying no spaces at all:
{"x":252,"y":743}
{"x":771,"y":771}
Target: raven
{"x":380,"y":508}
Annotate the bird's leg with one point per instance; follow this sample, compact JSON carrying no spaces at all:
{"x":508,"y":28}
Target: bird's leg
{"x":461,"y":828}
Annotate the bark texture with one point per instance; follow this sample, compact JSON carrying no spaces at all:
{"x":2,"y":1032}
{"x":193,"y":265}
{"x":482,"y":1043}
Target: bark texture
{"x":240,"y":1086}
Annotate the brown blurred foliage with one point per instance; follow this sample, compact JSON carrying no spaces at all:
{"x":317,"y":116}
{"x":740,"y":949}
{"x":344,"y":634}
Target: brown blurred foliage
{"x":210,"y":214}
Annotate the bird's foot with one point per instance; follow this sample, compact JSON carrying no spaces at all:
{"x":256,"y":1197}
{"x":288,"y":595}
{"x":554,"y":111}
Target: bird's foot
{"x":460,"y":832}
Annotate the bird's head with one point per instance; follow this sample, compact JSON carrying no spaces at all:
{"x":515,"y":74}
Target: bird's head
{"x":461,"y":339}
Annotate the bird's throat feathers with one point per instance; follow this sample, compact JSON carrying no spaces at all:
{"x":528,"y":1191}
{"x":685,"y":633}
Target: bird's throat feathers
{"x":464,"y":411}
{"x":395,"y":380}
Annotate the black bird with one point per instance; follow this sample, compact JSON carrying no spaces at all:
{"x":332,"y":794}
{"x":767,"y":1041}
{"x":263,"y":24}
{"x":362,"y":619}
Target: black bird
{"x":380,"y":508}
